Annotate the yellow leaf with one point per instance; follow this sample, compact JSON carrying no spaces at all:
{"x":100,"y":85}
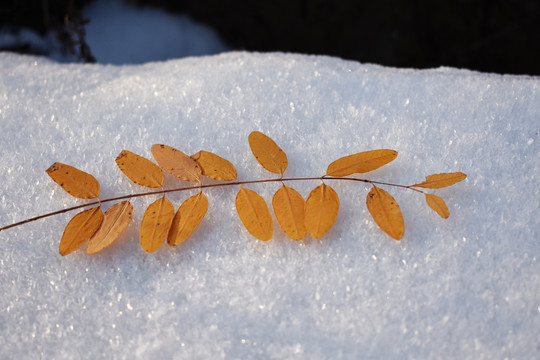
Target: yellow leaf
{"x":187,"y":218}
{"x":254,"y":213}
{"x":176,"y":163}
{"x":214,"y":166}
{"x":438,"y":181}
{"x":385,"y":211}
{"x":322,"y":206}
{"x":156,"y":223}
{"x":115,"y":220}
{"x":361,"y":162}
{"x":79,"y":229}
{"x":267,"y":153}
{"x":437,"y":203}
{"x":140,"y":170}
{"x":76,"y":182}
{"x":289,"y":208}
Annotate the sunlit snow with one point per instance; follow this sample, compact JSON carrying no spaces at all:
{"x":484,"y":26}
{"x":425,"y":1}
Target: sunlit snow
{"x":466,"y":287}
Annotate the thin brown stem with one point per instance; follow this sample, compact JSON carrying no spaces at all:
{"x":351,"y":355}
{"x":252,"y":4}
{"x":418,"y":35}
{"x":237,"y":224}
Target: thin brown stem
{"x":200,"y":186}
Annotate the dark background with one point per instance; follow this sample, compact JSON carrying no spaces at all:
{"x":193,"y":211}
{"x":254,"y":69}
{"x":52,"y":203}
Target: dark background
{"x":499,"y":36}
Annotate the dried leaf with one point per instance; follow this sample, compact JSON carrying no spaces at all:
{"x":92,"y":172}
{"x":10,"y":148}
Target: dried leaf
{"x":254,"y":214}
{"x":438,"y":181}
{"x":361,"y":162}
{"x":214,"y":166}
{"x":187,"y":218}
{"x":176,"y":163}
{"x":322,"y":206}
{"x":385,"y":211}
{"x":156,"y":223}
{"x":437,"y":203}
{"x":267,"y":153}
{"x":115,"y":220}
{"x":79,"y":229}
{"x":289,"y":208}
{"x":140,"y":170}
{"x":76,"y":182}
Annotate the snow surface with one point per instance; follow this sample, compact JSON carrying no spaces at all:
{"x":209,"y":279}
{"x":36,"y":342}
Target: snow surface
{"x":465,"y":287}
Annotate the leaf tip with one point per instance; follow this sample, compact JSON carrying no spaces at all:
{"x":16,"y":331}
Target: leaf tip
{"x":52,"y":168}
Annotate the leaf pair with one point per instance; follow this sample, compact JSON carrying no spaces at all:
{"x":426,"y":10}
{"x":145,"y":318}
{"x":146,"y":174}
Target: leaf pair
{"x":100,"y":229}
{"x":438,"y":181}
{"x":160,"y":222}
{"x":191,"y":168}
{"x":316,"y":215}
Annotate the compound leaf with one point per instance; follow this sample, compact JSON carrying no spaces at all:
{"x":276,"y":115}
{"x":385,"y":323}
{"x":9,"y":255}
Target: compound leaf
{"x":176,"y":163}
{"x":254,"y":214}
{"x":289,"y":208}
{"x":267,"y":153}
{"x":140,"y":170}
{"x":156,"y":223}
{"x":322,"y":206}
{"x":438,"y":181}
{"x":76,"y":182}
{"x":187,"y":218}
{"x":79,"y":229}
{"x":361,"y":162}
{"x":115,"y":220}
{"x":214,"y":166}
{"x":385,"y":211}
{"x":437,"y":203}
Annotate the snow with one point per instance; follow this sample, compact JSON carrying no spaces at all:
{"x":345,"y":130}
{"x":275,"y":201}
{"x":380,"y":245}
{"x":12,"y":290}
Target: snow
{"x":465,"y":287}
{"x":119,"y":33}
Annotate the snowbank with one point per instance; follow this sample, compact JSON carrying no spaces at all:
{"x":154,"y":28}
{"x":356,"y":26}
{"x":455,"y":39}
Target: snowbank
{"x":466,"y":287}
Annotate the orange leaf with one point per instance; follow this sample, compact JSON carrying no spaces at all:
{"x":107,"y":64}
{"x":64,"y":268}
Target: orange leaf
{"x":254,"y":214}
{"x":267,"y":153}
{"x":115,"y":220}
{"x":322,"y":206}
{"x":214,"y":166}
{"x":176,"y":163}
{"x":140,"y":170}
{"x":361,"y":162}
{"x":438,"y":181}
{"x":289,"y":208}
{"x":76,"y":182}
{"x":437,"y":203}
{"x":156,"y":223}
{"x":385,"y":211}
{"x":187,"y":218}
{"x":79,"y":229}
